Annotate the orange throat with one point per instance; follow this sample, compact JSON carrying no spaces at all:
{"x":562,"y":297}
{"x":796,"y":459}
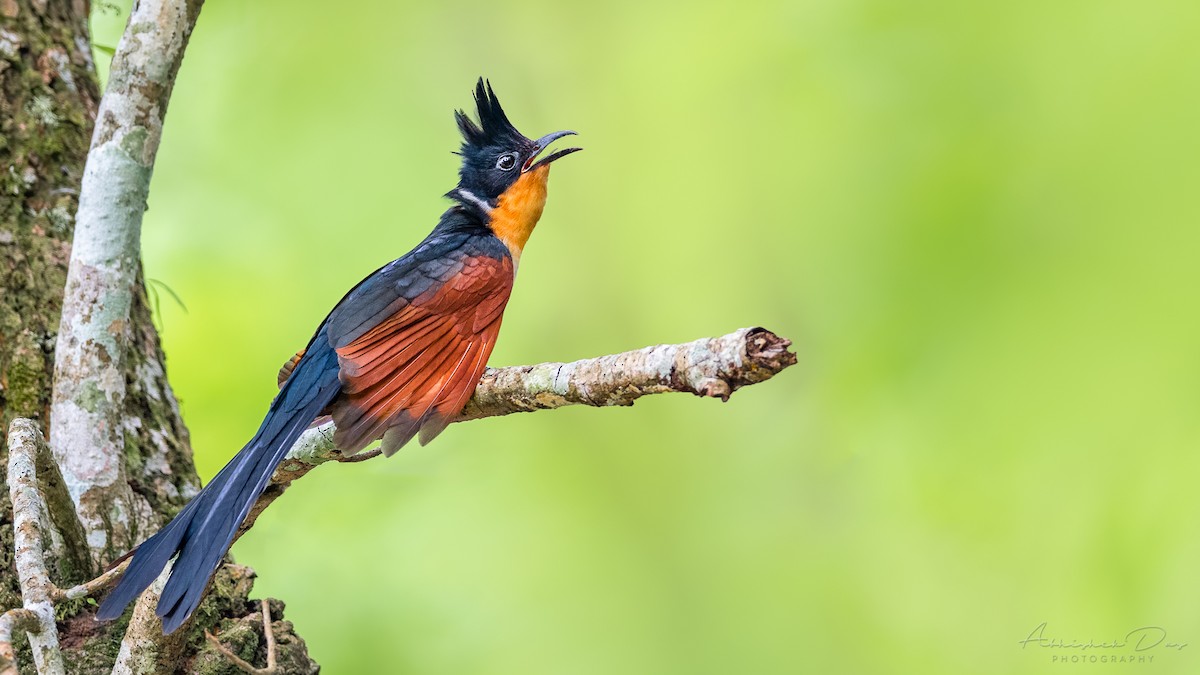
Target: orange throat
{"x":518,"y":209}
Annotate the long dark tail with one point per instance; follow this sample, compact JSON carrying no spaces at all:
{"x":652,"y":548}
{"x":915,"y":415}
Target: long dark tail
{"x":204,"y":530}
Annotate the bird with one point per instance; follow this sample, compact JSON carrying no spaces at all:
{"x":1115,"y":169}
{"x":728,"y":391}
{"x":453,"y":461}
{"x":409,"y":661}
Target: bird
{"x":398,"y":356}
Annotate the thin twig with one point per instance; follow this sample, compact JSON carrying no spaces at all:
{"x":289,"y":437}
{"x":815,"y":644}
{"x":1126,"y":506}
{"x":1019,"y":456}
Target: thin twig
{"x":89,"y":588}
{"x":268,"y":633}
{"x":25,"y":443}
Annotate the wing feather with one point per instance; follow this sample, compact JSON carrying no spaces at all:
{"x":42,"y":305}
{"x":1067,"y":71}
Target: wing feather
{"x":455,"y":394}
{"x":418,"y":365}
{"x":381,"y":366}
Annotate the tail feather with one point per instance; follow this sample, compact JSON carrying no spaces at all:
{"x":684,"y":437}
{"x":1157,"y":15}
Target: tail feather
{"x":148,"y":561}
{"x":204,"y":530}
{"x":208,"y":539}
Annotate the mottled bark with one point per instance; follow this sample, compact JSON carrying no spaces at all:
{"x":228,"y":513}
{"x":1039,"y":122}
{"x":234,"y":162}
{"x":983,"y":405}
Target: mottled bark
{"x":48,"y":95}
{"x":709,"y":367}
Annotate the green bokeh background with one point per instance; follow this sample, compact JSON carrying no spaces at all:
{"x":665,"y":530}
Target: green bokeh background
{"x":977,"y":221}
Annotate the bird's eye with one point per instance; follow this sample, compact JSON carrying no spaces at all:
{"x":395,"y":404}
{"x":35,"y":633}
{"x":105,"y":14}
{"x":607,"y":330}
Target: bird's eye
{"x":506,"y":162}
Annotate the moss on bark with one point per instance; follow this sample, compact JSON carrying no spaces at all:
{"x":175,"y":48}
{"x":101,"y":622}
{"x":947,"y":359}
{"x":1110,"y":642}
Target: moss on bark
{"x":48,"y":95}
{"x":48,"y":101}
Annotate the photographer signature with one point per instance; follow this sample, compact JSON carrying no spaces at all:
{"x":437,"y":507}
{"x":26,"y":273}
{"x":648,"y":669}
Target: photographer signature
{"x":1140,"y":639}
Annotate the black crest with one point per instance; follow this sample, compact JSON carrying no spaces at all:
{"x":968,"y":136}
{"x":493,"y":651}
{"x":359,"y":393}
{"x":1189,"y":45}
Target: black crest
{"x":493,"y":129}
{"x":483,"y":174}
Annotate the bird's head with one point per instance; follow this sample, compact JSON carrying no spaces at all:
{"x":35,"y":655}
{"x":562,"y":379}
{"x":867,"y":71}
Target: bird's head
{"x":495,"y":155}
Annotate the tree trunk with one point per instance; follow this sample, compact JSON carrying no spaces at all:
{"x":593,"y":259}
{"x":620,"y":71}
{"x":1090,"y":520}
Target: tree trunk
{"x":49,"y":100}
{"x":47,"y":109}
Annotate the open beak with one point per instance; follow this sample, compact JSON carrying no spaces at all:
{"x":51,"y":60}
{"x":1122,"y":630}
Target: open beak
{"x":541,"y":144}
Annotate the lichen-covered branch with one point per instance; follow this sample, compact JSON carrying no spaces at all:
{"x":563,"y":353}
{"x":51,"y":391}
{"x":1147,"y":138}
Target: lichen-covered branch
{"x":90,"y":374}
{"x":714,"y":367}
{"x":709,"y":367}
{"x":30,"y":516}
{"x":11,"y":621}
